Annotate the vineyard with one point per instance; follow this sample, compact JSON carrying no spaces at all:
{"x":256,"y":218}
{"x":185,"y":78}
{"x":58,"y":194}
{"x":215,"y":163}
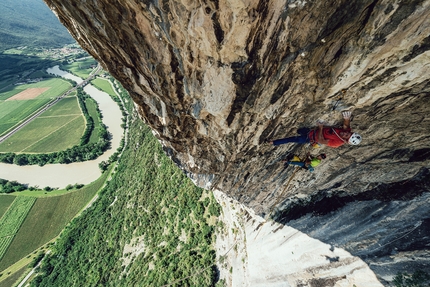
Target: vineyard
{"x":11,"y":221}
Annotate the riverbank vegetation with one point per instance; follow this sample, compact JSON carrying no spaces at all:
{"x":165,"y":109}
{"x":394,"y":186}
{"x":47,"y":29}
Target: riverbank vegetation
{"x":79,"y":67}
{"x":151,"y":223}
{"x":7,"y":186}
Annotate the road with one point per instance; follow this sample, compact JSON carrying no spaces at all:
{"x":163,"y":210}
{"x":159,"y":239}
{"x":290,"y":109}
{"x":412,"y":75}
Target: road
{"x":32,"y":271}
{"x":50,"y":104}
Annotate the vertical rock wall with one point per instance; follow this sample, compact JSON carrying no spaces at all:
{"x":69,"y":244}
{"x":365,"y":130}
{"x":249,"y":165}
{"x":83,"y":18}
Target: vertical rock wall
{"x":215,"y":78}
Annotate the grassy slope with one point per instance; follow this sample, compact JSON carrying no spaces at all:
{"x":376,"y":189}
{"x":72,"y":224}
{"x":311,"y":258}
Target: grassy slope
{"x":150,"y":201}
{"x":40,"y":29}
{"x":46,"y":219}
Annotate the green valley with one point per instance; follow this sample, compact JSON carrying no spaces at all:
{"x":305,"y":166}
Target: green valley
{"x":151,"y":223}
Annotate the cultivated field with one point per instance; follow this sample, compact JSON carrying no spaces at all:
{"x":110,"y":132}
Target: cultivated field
{"x":5,"y":202}
{"x":59,"y":128}
{"x":92,"y":111}
{"x":46,"y":219}
{"x":28,"y":94}
{"x":13,"y":111}
{"x":12,"y":219}
{"x":104,"y":85}
{"x":11,"y":280}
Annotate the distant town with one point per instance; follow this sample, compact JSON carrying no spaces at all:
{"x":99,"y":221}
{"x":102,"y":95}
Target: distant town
{"x":50,"y":53}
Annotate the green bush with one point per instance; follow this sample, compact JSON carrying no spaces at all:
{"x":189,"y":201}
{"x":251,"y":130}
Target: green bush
{"x":36,"y":259}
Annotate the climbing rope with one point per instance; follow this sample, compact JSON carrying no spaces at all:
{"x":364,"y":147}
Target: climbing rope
{"x":416,"y":225}
{"x":279,"y":197}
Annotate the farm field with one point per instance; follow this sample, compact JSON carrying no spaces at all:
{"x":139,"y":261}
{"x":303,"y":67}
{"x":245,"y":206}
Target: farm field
{"x":104,"y":85}
{"x":59,"y":128}
{"x":5,"y":202}
{"x":12,"y":112}
{"x":48,"y":216}
{"x":15,"y":66}
{"x":92,"y":111}
{"x":11,"y":221}
{"x":10,"y":281}
{"x":81,"y":68}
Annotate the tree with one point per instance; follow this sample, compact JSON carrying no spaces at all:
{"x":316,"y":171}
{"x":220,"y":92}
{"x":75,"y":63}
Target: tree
{"x":20,"y":159}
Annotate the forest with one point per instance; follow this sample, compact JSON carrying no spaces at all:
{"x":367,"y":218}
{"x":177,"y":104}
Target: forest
{"x":40,"y":29}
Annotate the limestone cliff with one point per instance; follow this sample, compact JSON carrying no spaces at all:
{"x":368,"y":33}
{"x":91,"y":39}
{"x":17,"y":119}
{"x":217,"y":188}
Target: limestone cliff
{"x":215,"y":78}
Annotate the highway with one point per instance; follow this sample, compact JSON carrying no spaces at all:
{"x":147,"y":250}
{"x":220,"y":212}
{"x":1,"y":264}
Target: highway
{"x":50,"y":104}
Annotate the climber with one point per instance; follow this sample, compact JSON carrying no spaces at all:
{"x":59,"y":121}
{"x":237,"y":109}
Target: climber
{"x":309,"y":163}
{"x":333,"y":137}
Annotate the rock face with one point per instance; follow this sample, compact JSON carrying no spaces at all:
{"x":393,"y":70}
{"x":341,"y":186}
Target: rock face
{"x":214,"y":79}
{"x":254,"y":252}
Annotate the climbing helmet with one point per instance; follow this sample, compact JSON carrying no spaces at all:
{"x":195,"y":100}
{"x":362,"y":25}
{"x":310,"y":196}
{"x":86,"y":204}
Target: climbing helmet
{"x":354,"y":139}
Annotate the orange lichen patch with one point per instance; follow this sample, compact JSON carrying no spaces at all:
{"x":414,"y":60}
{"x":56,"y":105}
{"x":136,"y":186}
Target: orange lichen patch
{"x":28,"y":94}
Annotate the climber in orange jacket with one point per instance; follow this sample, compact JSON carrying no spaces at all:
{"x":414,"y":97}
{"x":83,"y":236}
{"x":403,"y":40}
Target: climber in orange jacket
{"x":330,"y":136}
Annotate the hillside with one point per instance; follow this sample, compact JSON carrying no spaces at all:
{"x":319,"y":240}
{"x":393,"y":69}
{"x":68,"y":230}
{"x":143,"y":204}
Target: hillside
{"x":152,"y":231}
{"x":215,"y":80}
{"x":40,"y":28}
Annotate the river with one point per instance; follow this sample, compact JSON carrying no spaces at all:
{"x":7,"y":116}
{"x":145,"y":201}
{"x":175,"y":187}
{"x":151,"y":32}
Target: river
{"x":60,"y":175}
